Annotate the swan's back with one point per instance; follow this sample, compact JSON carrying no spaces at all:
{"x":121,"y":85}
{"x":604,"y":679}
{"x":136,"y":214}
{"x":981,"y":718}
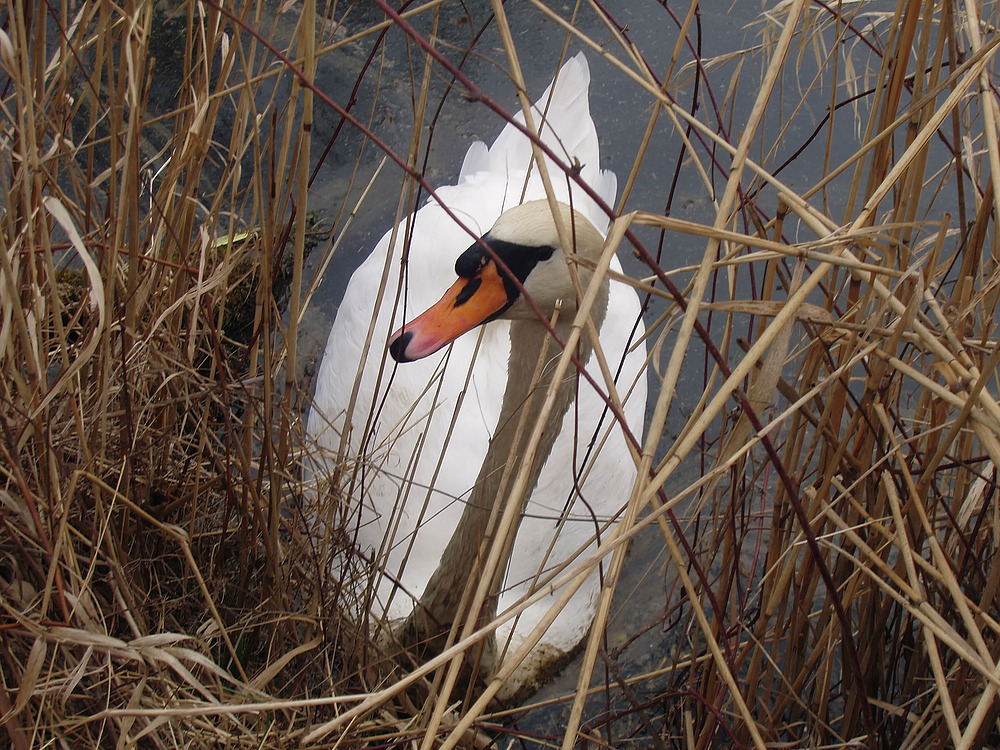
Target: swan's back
{"x":408,"y":496}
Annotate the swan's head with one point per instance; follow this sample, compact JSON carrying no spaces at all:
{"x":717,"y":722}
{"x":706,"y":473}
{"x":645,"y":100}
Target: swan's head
{"x":525,"y":238}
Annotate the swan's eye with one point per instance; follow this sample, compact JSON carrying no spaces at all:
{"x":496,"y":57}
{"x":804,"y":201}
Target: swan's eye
{"x":520,"y":259}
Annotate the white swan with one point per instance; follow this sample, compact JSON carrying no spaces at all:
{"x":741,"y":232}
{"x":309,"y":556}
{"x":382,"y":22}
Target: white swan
{"x":412,"y":482}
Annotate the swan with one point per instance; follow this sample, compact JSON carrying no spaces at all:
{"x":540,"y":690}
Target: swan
{"x":429,"y":438}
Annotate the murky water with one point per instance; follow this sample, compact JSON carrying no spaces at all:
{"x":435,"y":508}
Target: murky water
{"x":619,"y":108}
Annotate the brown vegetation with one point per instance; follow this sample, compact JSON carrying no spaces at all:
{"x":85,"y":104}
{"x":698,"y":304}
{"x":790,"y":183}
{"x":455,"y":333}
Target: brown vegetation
{"x":827,"y":511}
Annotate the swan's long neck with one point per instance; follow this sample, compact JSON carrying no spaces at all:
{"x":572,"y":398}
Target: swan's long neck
{"x":445,"y":599}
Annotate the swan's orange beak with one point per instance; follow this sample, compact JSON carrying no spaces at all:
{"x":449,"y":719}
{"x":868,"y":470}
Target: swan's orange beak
{"x":467,"y":304}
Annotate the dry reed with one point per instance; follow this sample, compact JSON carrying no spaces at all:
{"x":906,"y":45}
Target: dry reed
{"x":824,"y":509}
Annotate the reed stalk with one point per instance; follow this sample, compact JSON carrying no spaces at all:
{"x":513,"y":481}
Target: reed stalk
{"x":809,"y":555}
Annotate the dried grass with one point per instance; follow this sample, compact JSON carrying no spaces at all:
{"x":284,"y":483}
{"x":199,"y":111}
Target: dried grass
{"x":829,"y":575}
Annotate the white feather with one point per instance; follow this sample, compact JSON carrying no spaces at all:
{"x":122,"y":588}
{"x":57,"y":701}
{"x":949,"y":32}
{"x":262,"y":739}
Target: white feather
{"x":388,"y":507}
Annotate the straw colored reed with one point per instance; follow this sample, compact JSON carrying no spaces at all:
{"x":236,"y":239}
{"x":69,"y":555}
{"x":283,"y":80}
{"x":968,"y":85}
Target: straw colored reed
{"x":825,"y":508}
